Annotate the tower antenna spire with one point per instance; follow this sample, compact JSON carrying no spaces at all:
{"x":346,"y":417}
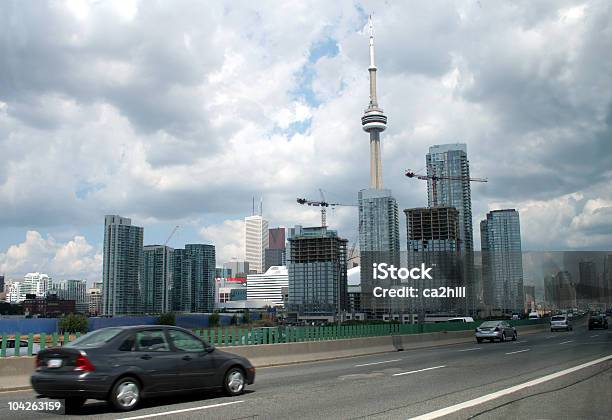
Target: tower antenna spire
{"x":374,"y":121}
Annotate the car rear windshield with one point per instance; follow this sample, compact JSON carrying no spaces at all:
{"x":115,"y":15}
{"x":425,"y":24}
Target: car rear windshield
{"x":95,"y":338}
{"x":490,"y":324}
{"x":558,"y":318}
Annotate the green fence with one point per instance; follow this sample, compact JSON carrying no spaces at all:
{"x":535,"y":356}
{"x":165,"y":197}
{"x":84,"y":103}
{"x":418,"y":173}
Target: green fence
{"x":237,"y":336}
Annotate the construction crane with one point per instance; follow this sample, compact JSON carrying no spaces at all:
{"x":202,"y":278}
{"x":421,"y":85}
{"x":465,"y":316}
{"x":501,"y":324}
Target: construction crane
{"x":171,"y":234}
{"x":323,"y":204}
{"x":435,"y":178}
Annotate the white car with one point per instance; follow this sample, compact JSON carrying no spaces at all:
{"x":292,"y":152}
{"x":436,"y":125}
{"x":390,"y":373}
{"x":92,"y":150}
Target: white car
{"x":560,"y":322}
{"x":23,"y":347}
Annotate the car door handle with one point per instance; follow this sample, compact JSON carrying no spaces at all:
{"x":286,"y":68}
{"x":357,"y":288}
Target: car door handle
{"x":145,"y":357}
{"x":186,"y":357}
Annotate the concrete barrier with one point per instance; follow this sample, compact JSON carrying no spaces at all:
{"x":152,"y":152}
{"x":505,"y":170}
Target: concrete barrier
{"x":15,"y":371}
{"x":287,"y":353}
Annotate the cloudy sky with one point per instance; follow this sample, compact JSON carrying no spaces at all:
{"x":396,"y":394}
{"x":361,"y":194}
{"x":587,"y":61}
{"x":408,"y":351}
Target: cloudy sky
{"x":179,"y":112}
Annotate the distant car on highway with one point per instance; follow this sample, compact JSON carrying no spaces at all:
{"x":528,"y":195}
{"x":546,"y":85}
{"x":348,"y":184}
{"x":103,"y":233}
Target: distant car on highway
{"x":123,"y":365}
{"x":598,"y":321}
{"x":495,"y":330}
{"x":23,"y":347}
{"x":534,"y":315}
{"x":560,"y":322}
{"x":461,"y":319}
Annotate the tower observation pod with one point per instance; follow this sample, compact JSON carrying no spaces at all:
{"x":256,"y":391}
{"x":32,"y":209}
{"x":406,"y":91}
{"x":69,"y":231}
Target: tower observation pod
{"x":374,"y":121}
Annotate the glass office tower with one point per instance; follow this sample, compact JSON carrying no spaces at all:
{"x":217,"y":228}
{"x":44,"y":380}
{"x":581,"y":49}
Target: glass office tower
{"x":378,"y":243}
{"x":157,"y":279}
{"x":193,"y":278}
{"x":122,"y":267}
{"x":502,"y":263}
{"x":451,"y":161}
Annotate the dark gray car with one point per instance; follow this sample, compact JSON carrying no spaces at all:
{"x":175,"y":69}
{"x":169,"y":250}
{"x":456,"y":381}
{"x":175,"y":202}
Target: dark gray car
{"x":126,"y":364}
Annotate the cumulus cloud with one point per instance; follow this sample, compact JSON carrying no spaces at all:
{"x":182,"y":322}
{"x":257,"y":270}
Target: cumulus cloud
{"x":228,"y":238}
{"x":73,"y":259}
{"x":171,"y":113}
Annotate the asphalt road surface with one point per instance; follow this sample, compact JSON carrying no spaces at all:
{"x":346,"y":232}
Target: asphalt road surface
{"x":546,"y":375}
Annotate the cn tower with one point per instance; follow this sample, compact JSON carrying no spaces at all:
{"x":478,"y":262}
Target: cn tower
{"x":374,"y":121}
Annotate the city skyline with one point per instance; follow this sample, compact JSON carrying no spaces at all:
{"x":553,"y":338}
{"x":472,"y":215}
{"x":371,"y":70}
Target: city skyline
{"x":524,"y":127}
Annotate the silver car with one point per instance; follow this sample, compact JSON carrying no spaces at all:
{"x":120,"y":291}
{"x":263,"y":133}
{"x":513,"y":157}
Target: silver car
{"x":560,"y":322}
{"x":495,"y":330}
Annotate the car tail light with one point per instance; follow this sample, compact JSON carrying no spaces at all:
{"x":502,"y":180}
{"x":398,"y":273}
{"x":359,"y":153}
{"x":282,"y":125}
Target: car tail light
{"x":83,"y":364}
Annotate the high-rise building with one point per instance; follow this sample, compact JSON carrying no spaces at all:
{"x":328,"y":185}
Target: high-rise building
{"x":433,"y":240}
{"x":550,"y":292}
{"x":122,"y":267}
{"x":157,"y":279}
{"x":35,"y":284}
{"x":587,"y":289}
{"x":502,"y":260}
{"x":268,"y":286}
{"x":238,"y":268}
{"x":274,"y":255}
{"x":276,"y":238}
{"x":72,"y":290}
{"x":529,"y":298}
{"x":13,"y":292}
{"x":317,"y":271}
{"x":256,"y":241}
{"x":565,"y":290}
{"x":450,"y":160}
{"x":378,"y":243}
{"x":193,"y":278}
{"x":274,"y":258}
{"x":1,"y":284}
{"x":94,"y":301}
{"x":607,"y":279}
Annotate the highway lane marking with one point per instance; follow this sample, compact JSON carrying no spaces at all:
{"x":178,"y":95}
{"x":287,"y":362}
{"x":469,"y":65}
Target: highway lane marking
{"x":480,"y":400}
{"x":522,"y":341}
{"x":568,"y":341}
{"x":184,"y":410}
{"x":596,"y":335}
{"x":378,"y":363}
{"x":518,"y":351}
{"x":474,"y":348}
{"x":419,"y":370}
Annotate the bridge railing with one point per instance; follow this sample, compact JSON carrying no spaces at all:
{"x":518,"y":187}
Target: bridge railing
{"x":31,"y":343}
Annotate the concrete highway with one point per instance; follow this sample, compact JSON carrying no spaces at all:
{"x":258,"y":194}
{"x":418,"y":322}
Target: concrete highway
{"x":545,"y":375}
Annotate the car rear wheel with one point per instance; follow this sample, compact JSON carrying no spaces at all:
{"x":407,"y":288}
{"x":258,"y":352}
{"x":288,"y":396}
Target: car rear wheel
{"x":234,"y":381}
{"x":479,"y":340}
{"x":503,"y":337}
{"x":125,"y":395}
{"x":74,"y":404}
{"x":514,"y":336}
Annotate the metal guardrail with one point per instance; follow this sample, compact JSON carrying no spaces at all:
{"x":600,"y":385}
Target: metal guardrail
{"x":236,"y":336}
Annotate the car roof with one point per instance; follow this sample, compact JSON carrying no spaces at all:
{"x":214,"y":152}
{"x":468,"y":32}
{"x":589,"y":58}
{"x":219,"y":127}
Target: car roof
{"x":142,"y":327}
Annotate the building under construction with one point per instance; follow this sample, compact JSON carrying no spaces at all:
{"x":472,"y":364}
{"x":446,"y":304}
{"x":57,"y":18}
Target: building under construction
{"x":433,"y":239}
{"x":316,"y":261}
